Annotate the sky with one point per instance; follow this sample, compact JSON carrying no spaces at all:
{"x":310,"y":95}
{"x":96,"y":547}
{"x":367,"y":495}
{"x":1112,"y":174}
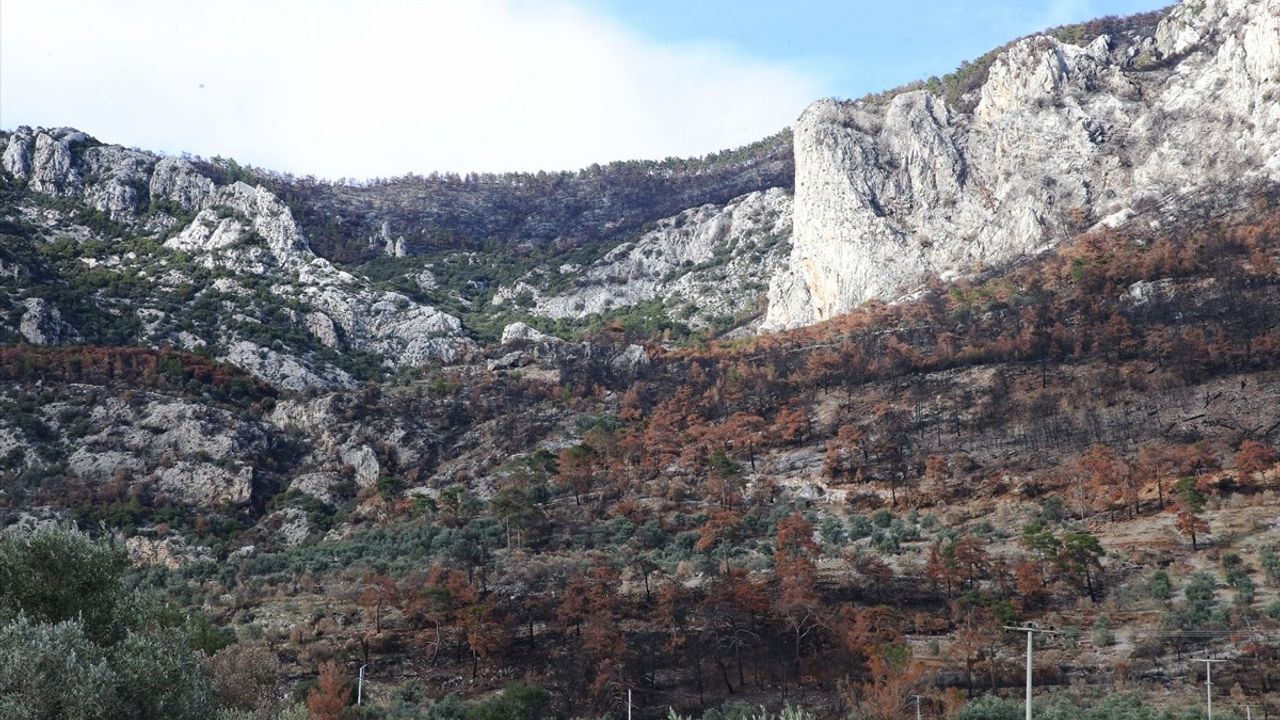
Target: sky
{"x":379,"y":88}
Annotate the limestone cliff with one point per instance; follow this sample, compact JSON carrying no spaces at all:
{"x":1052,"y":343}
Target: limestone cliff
{"x":704,"y":265}
{"x":889,"y":194}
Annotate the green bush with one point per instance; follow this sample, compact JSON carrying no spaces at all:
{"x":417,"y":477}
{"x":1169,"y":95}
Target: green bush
{"x":990,"y":707}
{"x":1160,"y":587}
{"x":517,"y":702}
{"x":77,"y":644}
{"x":56,"y":575}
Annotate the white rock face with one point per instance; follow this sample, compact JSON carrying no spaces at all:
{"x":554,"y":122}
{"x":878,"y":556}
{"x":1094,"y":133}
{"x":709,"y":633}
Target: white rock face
{"x":193,"y":453}
{"x":110,"y":178}
{"x":710,"y":259}
{"x":281,"y":370}
{"x":290,"y":525}
{"x":365,"y":463}
{"x":204,"y":485}
{"x":519,"y":332}
{"x":42,"y":324}
{"x":887,"y":196}
{"x":178,"y":181}
{"x":318,"y":485}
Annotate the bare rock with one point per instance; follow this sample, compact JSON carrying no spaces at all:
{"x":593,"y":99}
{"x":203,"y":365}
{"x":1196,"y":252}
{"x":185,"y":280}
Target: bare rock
{"x":171,"y":551}
{"x":518,"y":332}
{"x":42,"y":324}
{"x":203,"y":485}
{"x":319,"y":485}
{"x":283,"y":371}
{"x":890,"y":194}
{"x":364,"y":462}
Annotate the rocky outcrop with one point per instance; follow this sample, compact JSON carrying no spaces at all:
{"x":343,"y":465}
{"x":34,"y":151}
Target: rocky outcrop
{"x":704,"y":264}
{"x":171,"y":551}
{"x":890,"y":194}
{"x":519,"y":332}
{"x":281,"y":370}
{"x":68,"y":163}
{"x":189,"y":453}
{"x":364,"y":464}
{"x":243,"y":233}
{"x":536,"y":356}
{"x":42,"y":324}
{"x":319,"y":485}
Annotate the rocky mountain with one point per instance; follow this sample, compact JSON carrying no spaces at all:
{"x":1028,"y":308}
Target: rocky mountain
{"x":464,"y":431}
{"x":1048,"y":136}
{"x":1057,"y":138}
{"x":217,"y":266}
{"x":424,"y":215}
{"x":703,"y":266}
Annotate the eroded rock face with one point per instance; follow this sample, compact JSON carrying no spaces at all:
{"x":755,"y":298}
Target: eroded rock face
{"x":518,"y":332}
{"x":283,"y":371}
{"x":204,"y":485}
{"x":172,"y":551}
{"x":192,"y":454}
{"x":42,"y":324}
{"x":1061,"y":136}
{"x":68,"y":163}
{"x":704,"y":263}
{"x":319,"y":485}
{"x":245,"y":233}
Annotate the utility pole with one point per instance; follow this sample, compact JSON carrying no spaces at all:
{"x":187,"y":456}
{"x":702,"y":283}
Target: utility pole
{"x":917,"y":697}
{"x":628,"y":703}
{"x":360,"y":686}
{"x":1208,"y":684}
{"x":1031,"y":631}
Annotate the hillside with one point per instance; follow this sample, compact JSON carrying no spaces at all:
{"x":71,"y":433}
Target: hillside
{"x":515,"y":442}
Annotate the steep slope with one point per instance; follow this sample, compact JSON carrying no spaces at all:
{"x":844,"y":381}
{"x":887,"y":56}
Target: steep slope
{"x":703,"y":266}
{"x":842,"y":515}
{"x":1059,"y":137}
{"x":174,"y":258}
{"x":599,"y":205}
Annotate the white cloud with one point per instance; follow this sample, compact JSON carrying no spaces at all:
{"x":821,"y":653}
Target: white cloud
{"x":382,"y":87}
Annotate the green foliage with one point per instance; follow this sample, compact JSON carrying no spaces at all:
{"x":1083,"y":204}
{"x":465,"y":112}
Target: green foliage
{"x":881,"y":518}
{"x":207,"y":637}
{"x":1189,"y":494}
{"x":991,"y":707}
{"x":1102,"y":635}
{"x":517,"y":702}
{"x":1273,"y":610}
{"x":832,"y":530}
{"x":1270,"y":562}
{"x":390,"y":486}
{"x":1200,"y":607}
{"x":157,"y":676}
{"x":52,"y":671}
{"x":1237,"y":576}
{"x":77,"y":644}
{"x":859,"y":527}
{"x":56,"y":575}
{"x":451,"y":707}
{"x":1126,"y":706}
{"x":1160,"y":587}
